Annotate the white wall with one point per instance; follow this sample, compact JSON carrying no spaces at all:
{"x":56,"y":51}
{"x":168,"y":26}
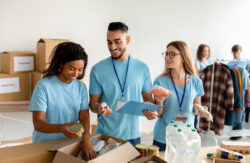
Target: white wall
{"x":152,"y":24}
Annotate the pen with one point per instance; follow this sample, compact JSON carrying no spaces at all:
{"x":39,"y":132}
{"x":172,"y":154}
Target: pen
{"x":101,"y":114}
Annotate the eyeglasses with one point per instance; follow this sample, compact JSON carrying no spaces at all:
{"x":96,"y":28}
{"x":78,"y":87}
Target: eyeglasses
{"x":170,"y":54}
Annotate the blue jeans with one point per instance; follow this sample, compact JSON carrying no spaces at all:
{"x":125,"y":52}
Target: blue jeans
{"x":135,"y":141}
{"x":160,"y":145}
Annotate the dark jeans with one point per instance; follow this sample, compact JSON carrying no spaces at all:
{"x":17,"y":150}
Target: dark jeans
{"x":196,"y":121}
{"x":247,"y":111}
{"x":135,"y":141}
{"x":160,"y":145}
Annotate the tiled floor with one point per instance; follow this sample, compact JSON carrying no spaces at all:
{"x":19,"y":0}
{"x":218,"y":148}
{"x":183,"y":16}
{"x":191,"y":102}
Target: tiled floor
{"x":18,"y":125}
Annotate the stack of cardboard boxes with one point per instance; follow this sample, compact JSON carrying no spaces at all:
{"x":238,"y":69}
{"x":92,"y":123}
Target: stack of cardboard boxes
{"x":15,"y":76}
{"x":20,"y":71}
{"x":44,"y":50}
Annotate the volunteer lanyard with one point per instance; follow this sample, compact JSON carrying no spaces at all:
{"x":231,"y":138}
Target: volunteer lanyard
{"x":122,"y":88}
{"x":180,"y":102}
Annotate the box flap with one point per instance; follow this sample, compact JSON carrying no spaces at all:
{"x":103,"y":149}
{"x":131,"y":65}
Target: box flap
{"x":216,"y":160}
{"x":29,"y":152}
{"x":64,"y":144}
{"x":19,"y":53}
{"x":43,"y":40}
{"x":148,"y":158}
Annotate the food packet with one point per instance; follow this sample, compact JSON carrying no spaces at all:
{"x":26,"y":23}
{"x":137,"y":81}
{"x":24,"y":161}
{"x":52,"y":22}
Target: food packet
{"x":159,"y":91}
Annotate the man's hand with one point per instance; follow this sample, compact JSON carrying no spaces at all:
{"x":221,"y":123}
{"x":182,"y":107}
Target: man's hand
{"x":104,"y":109}
{"x":150,"y":114}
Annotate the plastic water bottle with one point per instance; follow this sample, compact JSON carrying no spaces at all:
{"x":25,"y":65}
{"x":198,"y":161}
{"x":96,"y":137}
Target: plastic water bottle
{"x":187,"y":129}
{"x":194,"y":146}
{"x":179,"y":145}
{"x":169,"y":129}
{"x":169,"y":153}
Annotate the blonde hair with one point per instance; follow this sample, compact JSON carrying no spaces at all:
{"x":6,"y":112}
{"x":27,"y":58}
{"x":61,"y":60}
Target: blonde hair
{"x":186,"y":56}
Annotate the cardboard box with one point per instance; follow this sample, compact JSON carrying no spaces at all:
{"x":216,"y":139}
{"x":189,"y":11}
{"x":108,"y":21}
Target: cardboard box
{"x":148,"y":158}
{"x":44,"y":50}
{"x":122,"y":154}
{"x":17,"y":62}
{"x":216,"y":160}
{"x":36,"y":76}
{"x":29,"y":153}
{"x":15,"y":106}
{"x":15,"y":87}
{"x":241,"y":147}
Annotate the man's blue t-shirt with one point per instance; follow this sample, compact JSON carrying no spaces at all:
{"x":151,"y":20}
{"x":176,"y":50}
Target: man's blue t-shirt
{"x":103,"y":81}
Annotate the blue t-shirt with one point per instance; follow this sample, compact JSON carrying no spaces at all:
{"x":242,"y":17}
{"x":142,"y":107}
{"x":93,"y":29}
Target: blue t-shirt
{"x":171,"y":108}
{"x":62,"y":103}
{"x":239,"y":62}
{"x":202,"y":64}
{"x":104,"y":81}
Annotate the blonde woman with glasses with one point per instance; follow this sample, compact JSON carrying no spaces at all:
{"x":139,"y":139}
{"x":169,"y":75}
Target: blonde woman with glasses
{"x":180,"y":78}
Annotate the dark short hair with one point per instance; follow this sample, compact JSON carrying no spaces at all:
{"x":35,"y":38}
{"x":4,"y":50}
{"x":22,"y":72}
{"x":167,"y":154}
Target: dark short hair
{"x":114,"y":26}
{"x":199,"y":51}
{"x":63,"y":53}
{"x":236,"y":48}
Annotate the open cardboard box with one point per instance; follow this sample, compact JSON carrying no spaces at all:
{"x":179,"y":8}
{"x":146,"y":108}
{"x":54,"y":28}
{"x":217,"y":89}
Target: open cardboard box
{"x":122,"y":154}
{"x":148,"y":158}
{"x":217,"y":160}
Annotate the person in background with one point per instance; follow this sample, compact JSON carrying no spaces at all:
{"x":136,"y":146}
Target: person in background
{"x":180,"y":78}
{"x":60,"y":99}
{"x":202,"y":61}
{"x":237,"y":50}
{"x":120,"y":77}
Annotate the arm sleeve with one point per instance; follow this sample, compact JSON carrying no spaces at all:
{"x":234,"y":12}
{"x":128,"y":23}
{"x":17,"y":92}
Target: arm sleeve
{"x":85,"y":99}
{"x":147,"y":81}
{"x":94,"y":86}
{"x":196,"y":62}
{"x":39,"y":99}
{"x":200,"y":89}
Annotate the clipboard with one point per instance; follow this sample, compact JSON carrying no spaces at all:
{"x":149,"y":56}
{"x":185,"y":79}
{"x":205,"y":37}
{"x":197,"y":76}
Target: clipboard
{"x":136,"y":108}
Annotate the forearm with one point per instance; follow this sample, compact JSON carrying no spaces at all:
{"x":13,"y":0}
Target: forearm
{"x":147,"y":97}
{"x":94,"y":107}
{"x":43,"y":126}
{"x":85,"y":121}
{"x":197,"y":100}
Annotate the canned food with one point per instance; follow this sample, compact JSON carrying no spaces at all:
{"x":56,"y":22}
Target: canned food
{"x":153,"y":150}
{"x":142,"y":148}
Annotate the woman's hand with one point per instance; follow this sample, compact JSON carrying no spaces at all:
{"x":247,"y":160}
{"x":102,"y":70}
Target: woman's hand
{"x":87,"y":149}
{"x":150,"y":114}
{"x":65,"y":130}
{"x":159,"y":99}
